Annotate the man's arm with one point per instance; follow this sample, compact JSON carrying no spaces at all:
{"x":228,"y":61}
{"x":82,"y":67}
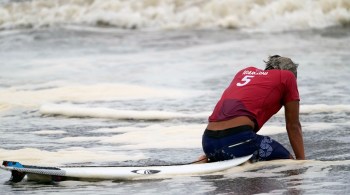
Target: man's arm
{"x":294,"y":129}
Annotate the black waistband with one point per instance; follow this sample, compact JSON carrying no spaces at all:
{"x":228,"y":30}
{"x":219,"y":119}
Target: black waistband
{"x":226,"y":132}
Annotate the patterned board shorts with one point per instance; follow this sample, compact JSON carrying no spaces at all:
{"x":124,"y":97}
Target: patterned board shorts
{"x":241,"y":141}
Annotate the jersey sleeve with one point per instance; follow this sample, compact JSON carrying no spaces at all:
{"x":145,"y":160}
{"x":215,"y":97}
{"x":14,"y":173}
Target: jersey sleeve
{"x":291,"y":92}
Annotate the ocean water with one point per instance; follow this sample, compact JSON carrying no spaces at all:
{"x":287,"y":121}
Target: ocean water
{"x":86,"y":82}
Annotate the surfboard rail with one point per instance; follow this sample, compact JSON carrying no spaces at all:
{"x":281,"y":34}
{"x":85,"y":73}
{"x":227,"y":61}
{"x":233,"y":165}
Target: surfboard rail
{"x":33,"y":172}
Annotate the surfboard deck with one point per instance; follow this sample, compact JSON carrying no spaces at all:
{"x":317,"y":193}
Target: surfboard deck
{"x":42,"y":174}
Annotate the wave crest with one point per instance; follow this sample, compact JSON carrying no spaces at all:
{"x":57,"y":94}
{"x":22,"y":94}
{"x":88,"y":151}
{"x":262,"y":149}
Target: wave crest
{"x":268,"y":15}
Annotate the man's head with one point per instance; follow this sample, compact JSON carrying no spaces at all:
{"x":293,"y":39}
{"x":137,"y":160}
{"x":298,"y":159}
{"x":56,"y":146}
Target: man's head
{"x":281,"y":63}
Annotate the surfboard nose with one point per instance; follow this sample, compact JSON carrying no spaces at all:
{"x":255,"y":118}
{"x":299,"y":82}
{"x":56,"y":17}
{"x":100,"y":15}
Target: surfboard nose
{"x":12,"y":164}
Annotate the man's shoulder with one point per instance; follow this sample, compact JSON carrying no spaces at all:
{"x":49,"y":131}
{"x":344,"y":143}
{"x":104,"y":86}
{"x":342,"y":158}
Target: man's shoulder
{"x":286,"y":74}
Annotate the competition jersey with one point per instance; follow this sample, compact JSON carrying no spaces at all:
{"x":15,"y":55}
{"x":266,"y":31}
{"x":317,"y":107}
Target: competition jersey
{"x":256,"y":93}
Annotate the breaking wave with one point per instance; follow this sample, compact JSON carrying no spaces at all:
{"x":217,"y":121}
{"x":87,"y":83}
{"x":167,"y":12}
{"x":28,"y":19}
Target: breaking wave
{"x":265,"y":15}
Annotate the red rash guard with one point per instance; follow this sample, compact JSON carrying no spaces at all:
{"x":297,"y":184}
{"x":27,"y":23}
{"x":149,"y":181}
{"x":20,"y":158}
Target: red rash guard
{"x":257,"y":94}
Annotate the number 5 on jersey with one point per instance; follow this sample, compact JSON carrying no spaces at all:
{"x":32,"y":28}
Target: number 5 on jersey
{"x":245,"y":80}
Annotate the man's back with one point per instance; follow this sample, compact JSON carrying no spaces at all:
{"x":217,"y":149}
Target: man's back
{"x":257,"y":94}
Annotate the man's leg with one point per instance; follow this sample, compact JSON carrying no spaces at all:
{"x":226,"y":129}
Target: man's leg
{"x":269,"y":149}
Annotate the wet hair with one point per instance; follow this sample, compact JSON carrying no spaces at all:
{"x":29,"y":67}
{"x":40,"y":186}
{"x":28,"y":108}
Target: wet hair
{"x":281,"y":63}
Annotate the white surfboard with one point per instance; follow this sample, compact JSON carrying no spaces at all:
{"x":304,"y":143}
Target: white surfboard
{"x":39,"y":173}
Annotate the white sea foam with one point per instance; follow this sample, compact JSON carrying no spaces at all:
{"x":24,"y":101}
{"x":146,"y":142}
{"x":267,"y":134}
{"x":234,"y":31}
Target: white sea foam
{"x":4,"y":107}
{"x":271,"y":130}
{"x":315,"y":168}
{"x":78,"y":111}
{"x":269,"y":15}
{"x":78,"y":93}
{"x":153,"y":136}
{"x":306,"y":175}
{"x":321,"y":108}
{"x":70,"y":155}
{"x":307,"y":126}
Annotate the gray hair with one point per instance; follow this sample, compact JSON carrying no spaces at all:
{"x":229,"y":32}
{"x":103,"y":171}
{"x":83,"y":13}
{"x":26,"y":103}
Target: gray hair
{"x":281,"y":63}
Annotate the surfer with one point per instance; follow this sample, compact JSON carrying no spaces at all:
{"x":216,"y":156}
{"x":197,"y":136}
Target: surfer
{"x":251,"y":99}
